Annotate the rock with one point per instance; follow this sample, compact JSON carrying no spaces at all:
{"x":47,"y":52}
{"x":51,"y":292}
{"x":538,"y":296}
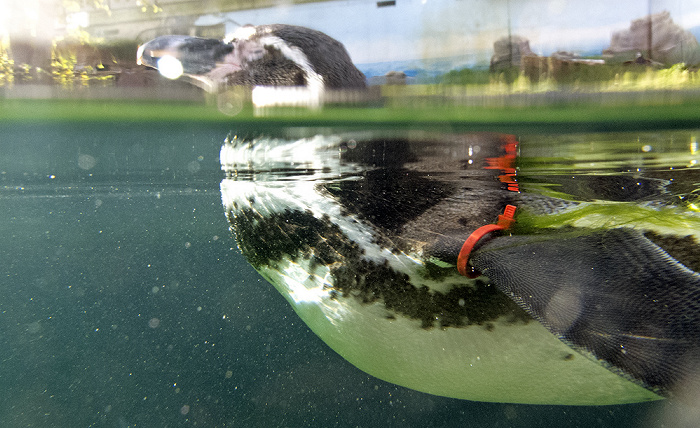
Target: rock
{"x":390,"y":78}
{"x":508,"y":51}
{"x":670,"y":43}
{"x":395,"y":78}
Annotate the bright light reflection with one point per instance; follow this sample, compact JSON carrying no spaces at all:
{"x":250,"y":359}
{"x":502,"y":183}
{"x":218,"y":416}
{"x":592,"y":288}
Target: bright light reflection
{"x":170,"y":67}
{"x":299,"y":96}
{"x":305,"y":288}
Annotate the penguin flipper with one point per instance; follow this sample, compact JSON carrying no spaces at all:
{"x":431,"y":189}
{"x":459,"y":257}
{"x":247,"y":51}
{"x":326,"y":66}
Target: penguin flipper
{"x":611,"y":294}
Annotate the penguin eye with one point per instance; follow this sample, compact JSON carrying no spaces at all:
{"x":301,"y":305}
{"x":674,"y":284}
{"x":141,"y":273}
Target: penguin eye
{"x":255,"y":54}
{"x":249,"y":51}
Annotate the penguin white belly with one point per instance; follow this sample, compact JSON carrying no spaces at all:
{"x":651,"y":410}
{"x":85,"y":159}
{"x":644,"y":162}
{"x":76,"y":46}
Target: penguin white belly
{"x":499,"y":362}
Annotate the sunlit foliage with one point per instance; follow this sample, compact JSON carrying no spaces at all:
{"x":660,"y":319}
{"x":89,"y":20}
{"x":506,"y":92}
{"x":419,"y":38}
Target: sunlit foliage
{"x":598,"y":78}
{"x":6,"y":65}
{"x":147,"y":5}
{"x":67,"y":70}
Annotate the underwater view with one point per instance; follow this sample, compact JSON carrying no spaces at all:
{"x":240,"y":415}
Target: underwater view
{"x":126,"y":301}
{"x":354,"y":214}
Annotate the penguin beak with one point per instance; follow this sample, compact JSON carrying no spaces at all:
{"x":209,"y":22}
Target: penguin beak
{"x":174,"y":56}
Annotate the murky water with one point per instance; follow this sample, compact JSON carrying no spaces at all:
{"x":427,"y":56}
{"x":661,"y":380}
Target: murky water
{"x":125,"y":302}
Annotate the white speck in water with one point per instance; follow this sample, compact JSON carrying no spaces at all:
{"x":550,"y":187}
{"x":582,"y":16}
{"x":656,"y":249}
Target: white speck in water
{"x":34,"y":327}
{"x":86,"y":162}
{"x":646,"y":148}
{"x":194,"y":167}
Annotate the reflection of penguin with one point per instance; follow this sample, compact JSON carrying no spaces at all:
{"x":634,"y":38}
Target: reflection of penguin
{"x":364,"y":246}
{"x":266,"y":55}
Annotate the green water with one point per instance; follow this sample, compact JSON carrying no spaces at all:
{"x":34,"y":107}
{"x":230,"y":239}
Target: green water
{"x":124,"y":302}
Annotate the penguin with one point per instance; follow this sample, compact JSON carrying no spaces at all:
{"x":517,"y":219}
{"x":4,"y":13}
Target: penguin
{"x":274,"y":55}
{"x":574,"y":301}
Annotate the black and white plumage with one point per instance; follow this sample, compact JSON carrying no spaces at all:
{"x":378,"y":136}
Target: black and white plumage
{"x":265,"y":55}
{"x":361,"y":236}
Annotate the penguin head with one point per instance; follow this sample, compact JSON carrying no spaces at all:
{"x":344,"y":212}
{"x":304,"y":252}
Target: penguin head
{"x":269,"y":55}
